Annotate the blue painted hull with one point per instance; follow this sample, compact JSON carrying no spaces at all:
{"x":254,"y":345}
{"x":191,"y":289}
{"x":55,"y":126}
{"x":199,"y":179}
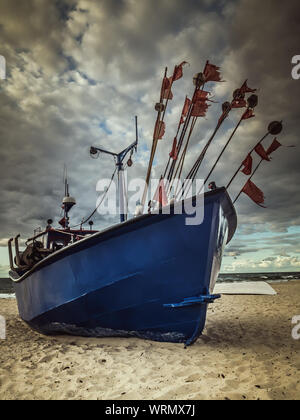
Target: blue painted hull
{"x":131,"y":279}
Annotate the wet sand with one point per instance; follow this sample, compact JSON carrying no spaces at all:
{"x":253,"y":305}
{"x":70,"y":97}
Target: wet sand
{"x":247,"y":352}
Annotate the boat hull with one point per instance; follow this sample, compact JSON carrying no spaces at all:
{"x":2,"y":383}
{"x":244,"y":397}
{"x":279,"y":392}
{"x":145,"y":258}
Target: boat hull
{"x":135,"y":279}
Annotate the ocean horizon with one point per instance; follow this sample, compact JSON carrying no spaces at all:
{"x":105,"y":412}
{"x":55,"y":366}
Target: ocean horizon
{"x":7,"y":288}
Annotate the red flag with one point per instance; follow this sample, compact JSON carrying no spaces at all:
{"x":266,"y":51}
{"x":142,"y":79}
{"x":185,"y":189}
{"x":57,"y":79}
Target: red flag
{"x":160,"y":194}
{"x":238,"y":103}
{"x":166,"y":88}
{"x":178,"y":71}
{"x":211,"y":73}
{"x":274,"y":146}
{"x":199,"y":109}
{"x":174,"y":151}
{"x":261,"y":152}
{"x":254,"y":192}
{"x":245,"y":89}
{"x":247,"y":165}
{"x":248,"y":114}
{"x":185,"y":109}
{"x":160,"y":129}
{"x":200,"y":95}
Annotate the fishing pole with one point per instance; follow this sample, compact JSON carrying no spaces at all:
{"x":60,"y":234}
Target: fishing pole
{"x":237,"y":102}
{"x":183,"y":155}
{"x":161,"y":108}
{"x":199,"y":82}
{"x":181,"y":138}
{"x":193,"y":172}
{"x":252,"y":103}
{"x":178,"y":128}
{"x":274,"y":128}
{"x":248,"y":180}
{"x":155,"y":139}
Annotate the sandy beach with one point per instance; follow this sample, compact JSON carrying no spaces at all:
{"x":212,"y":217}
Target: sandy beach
{"x":247,"y":352}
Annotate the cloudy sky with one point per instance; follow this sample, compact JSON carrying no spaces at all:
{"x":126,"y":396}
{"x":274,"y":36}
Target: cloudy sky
{"x":78,"y":71}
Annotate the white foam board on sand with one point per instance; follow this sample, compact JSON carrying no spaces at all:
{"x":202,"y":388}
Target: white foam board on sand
{"x":245,"y":288}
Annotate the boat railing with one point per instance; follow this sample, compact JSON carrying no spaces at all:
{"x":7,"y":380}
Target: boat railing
{"x":36,"y":236}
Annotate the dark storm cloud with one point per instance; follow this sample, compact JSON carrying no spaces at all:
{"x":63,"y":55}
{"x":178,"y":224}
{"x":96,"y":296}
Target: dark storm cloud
{"x":75,"y":67}
{"x":262,"y":41}
{"x":51,"y":112}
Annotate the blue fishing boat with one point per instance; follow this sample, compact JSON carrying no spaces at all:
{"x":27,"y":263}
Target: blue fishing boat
{"x":150,"y":277}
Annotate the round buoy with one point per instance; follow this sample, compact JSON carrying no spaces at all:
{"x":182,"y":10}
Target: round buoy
{"x":275,"y":128}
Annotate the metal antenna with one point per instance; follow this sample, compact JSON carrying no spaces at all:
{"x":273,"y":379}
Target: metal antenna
{"x":119,"y":157}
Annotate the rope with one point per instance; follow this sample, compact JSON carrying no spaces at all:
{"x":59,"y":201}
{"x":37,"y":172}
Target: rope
{"x":104,"y":196}
{"x":67,"y":233}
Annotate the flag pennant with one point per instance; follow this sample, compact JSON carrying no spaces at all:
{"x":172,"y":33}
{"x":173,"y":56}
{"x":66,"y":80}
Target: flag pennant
{"x":274,"y":146}
{"x":199,"y":109}
{"x":201,"y":95}
{"x":160,"y":128}
{"x":166,"y":88}
{"x":186,"y":107}
{"x":211,"y":73}
{"x":245,"y":89}
{"x":178,"y":73}
{"x":199,"y":103}
{"x":174,"y":152}
{"x":254,"y":193}
{"x":247,"y":165}
{"x":239,"y":103}
{"x":261,"y":152}
{"x":248,"y":114}
{"x":160,"y":195}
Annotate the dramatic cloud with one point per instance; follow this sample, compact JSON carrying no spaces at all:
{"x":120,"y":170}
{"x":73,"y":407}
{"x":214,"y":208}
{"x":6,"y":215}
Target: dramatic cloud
{"x":79,"y":71}
{"x":267,"y":265}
